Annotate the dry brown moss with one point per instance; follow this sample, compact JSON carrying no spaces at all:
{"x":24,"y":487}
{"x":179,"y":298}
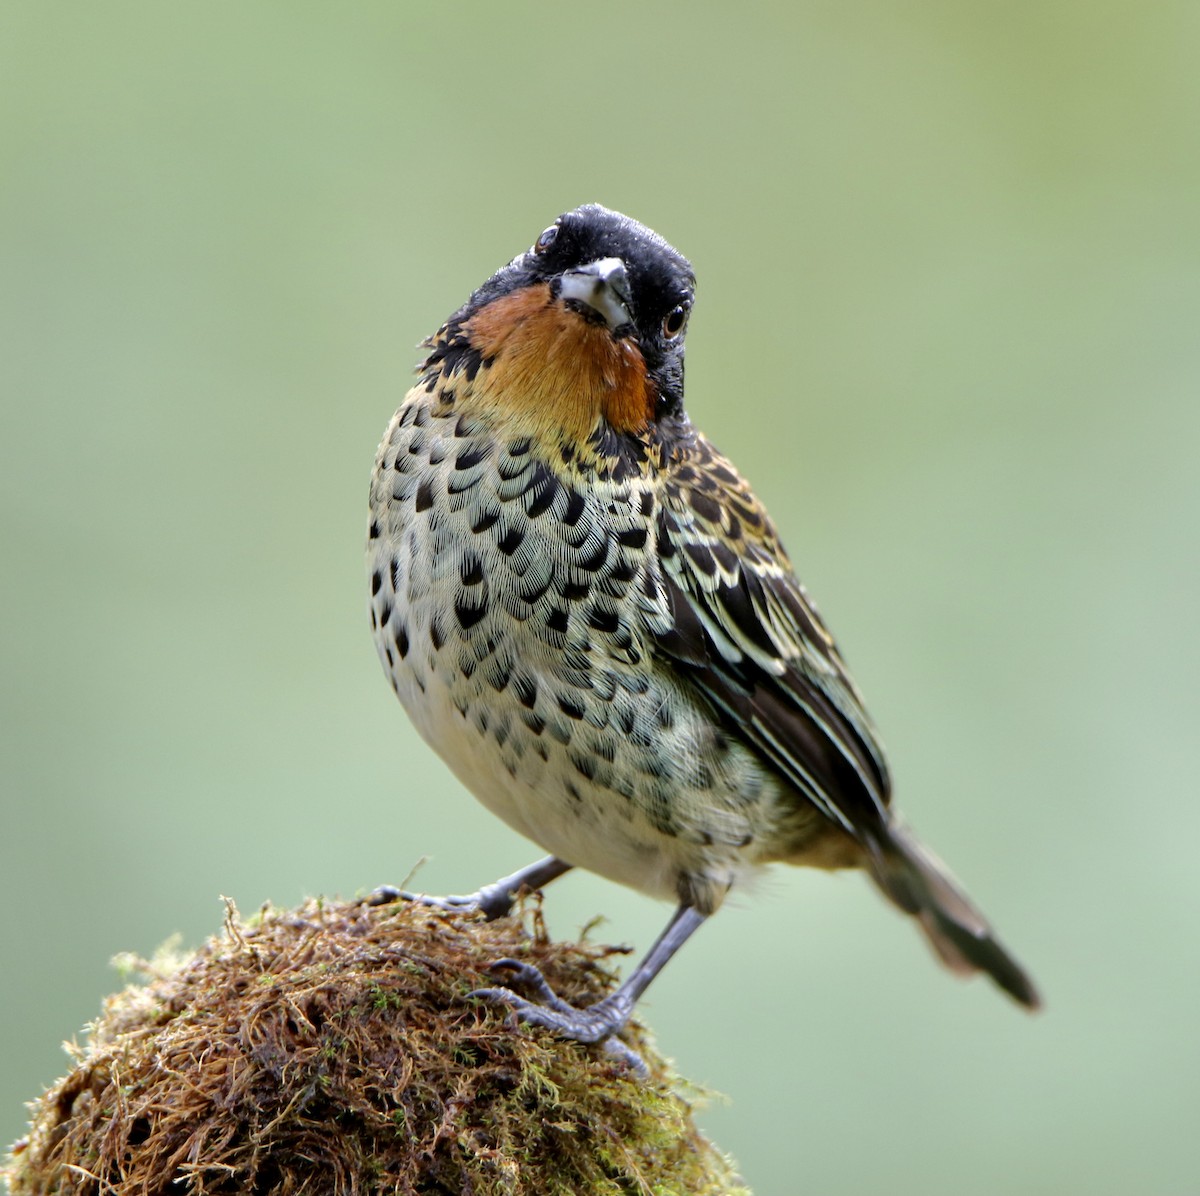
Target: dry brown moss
{"x":333,"y":1049}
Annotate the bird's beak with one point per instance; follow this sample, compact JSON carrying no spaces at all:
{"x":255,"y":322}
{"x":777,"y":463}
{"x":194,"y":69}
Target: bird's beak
{"x":603,"y":287}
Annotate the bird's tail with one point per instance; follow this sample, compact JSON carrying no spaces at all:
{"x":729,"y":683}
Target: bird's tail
{"x":921,"y":885}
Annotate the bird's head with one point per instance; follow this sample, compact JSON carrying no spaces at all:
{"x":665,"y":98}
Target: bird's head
{"x":581,"y":336}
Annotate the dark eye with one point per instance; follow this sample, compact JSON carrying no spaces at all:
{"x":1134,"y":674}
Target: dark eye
{"x":546,"y":239}
{"x":674,"y":321}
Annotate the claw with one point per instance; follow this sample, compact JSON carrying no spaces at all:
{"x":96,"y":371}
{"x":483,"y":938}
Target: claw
{"x":527,"y":976}
{"x":493,"y":901}
{"x":467,"y":903}
{"x":581,"y":1025}
{"x":598,"y":1023}
{"x":623,"y":1053}
{"x":384,"y":895}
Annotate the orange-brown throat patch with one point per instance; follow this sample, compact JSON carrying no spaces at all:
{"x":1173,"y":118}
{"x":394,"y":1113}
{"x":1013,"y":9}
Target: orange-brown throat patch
{"x":555,"y":372}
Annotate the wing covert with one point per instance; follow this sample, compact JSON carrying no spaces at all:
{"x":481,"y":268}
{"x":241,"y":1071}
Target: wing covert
{"x":744,"y":631}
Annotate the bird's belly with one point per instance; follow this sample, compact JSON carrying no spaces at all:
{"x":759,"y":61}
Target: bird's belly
{"x":583,"y":792}
{"x":567,"y":815}
{"x":632,"y":783}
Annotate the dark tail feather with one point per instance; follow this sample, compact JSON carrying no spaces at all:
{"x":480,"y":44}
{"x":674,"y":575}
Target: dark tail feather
{"x":921,"y":885}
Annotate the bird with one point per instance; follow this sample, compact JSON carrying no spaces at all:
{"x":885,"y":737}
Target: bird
{"x":589,"y":615}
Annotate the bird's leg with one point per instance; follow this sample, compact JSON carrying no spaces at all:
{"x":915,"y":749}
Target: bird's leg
{"x":493,"y":901}
{"x":603,"y":1020}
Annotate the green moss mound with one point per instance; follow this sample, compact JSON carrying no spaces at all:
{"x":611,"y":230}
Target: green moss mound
{"x":333,"y":1049}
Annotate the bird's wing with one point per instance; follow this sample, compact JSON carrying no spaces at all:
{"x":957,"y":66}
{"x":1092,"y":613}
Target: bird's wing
{"x":739,"y":624}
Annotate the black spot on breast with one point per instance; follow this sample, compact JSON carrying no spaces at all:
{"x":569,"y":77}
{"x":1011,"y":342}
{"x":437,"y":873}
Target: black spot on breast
{"x":646,"y":503}
{"x":484,"y":520}
{"x":595,"y":559}
{"x":636,"y":683}
{"x":401,"y":638}
{"x":634,"y":537}
{"x":376,"y":582}
{"x":573,"y":591}
{"x":468,"y":616}
{"x":584,"y":765}
{"x":604,"y":620}
{"x":424,"y":498}
{"x":570,"y":707}
{"x":373,"y":531}
{"x":435,"y":635}
{"x":557,"y":620}
{"x":459,"y":483}
{"x":525,"y":687}
{"x":470,"y":569}
{"x":510,"y":541}
{"x":512,"y":467}
{"x":534,"y":722}
{"x":576,"y":504}
{"x":544,"y":489}
{"x":499,"y":674}
{"x":622,"y":572}
{"x":469,"y":458}
{"x":537,"y":592}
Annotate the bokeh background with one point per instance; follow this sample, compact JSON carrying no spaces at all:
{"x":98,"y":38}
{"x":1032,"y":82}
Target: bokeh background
{"x":949,"y":324}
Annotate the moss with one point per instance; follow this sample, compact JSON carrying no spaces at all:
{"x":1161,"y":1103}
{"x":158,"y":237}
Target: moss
{"x":332,"y":1049}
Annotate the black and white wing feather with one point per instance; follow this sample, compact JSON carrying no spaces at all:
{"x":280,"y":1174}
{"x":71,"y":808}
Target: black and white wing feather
{"x":744,"y":631}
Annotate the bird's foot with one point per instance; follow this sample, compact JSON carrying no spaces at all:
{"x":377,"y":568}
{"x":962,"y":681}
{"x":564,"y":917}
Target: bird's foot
{"x":597,"y":1023}
{"x":492,"y":901}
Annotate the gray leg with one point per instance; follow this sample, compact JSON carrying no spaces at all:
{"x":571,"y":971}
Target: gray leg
{"x":493,"y":901}
{"x":604,"y":1019}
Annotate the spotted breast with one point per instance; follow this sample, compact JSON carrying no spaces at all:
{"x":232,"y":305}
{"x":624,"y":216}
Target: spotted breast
{"x":511,"y":600}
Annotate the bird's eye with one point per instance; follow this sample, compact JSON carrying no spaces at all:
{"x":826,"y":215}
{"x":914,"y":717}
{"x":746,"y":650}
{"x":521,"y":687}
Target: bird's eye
{"x":546,"y":239}
{"x":674,"y":321}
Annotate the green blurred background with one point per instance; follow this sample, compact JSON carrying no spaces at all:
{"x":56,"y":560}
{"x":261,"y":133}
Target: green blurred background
{"x":949,"y":324}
